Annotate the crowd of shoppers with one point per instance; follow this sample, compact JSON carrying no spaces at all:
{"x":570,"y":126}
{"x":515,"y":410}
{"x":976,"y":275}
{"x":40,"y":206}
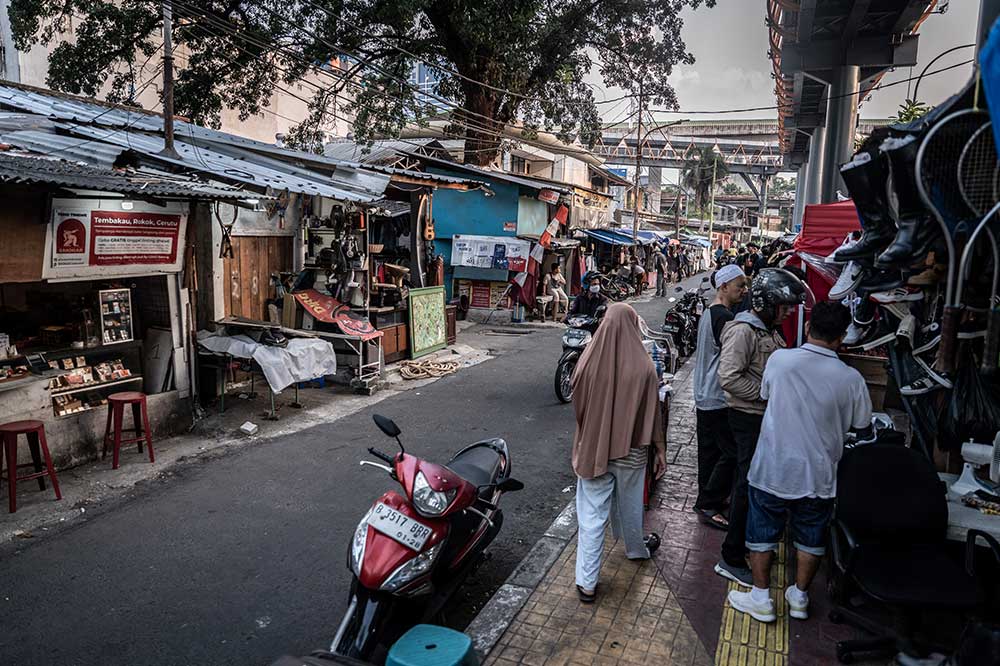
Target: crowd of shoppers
{"x":772,"y":423}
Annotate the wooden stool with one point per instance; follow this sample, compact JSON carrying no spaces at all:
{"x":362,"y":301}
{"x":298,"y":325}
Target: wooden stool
{"x":140,"y":421}
{"x":35,"y":431}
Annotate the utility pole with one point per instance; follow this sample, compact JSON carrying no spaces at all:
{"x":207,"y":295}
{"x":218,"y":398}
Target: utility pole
{"x":168,"y":83}
{"x":711,"y":205}
{"x":638,"y":165}
{"x":677,"y":208}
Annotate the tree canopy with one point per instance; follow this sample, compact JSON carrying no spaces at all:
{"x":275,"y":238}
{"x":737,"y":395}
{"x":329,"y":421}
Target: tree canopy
{"x":703,"y":169}
{"x":497,"y":62}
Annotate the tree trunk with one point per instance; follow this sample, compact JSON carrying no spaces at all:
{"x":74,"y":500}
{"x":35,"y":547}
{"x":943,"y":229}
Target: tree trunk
{"x":482,"y":136}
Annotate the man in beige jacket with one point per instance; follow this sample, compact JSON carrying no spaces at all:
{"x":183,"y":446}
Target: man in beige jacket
{"x":747,"y":342}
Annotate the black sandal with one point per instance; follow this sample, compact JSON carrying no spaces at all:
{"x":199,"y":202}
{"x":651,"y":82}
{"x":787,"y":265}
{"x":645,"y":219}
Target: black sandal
{"x":586,"y":597}
{"x":713,"y":519}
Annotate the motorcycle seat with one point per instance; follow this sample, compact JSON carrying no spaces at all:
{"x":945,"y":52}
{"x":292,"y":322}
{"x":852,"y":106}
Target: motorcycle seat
{"x":479,"y":465}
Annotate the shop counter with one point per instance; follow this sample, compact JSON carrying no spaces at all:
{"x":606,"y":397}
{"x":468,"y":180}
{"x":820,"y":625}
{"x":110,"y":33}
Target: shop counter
{"x":963,"y":518}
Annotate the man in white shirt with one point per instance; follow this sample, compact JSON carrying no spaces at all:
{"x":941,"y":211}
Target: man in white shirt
{"x":814,"y":399}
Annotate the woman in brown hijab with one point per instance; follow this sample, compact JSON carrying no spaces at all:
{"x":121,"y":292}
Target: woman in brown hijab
{"x":616,"y":399}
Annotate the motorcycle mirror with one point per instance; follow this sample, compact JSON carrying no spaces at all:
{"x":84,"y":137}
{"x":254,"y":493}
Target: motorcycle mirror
{"x":386,"y":425}
{"x":510,"y":485}
{"x":601,"y":309}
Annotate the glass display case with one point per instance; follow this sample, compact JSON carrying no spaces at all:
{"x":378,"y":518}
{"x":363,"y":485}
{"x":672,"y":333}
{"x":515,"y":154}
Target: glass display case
{"x":116,"y":315}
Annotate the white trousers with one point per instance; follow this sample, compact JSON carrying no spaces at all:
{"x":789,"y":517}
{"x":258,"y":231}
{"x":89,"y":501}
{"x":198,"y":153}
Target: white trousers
{"x":615,"y":495}
{"x":559,"y":300}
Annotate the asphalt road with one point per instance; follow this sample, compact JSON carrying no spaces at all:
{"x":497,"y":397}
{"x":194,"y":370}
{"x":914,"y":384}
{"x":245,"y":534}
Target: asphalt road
{"x":242,"y":559}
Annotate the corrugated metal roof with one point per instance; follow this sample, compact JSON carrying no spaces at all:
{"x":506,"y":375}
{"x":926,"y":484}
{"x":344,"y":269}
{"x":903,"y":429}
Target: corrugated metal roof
{"x":47,"y":142}
{"x":378,"y":152}
{"x":32,"y":169}
{"x":486,"y":174}
{"x":229,"y":167}
{"x":139,"y":130}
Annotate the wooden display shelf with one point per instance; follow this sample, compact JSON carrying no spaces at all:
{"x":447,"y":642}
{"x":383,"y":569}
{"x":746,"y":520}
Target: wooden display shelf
{"x":94,"y":385}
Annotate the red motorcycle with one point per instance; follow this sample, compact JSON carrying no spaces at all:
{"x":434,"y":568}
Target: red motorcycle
{"x":413,"y":549}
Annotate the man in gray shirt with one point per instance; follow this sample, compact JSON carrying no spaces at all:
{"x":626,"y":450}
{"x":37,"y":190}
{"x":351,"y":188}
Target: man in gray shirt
{"x":716,"y":448}
{"x":814,"y":399}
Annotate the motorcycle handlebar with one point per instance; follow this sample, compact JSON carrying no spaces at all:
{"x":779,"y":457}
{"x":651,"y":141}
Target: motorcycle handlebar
{"x":385,"y":457}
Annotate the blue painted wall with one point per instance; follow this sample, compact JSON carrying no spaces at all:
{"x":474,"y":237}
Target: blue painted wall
{"x":471,"y":213}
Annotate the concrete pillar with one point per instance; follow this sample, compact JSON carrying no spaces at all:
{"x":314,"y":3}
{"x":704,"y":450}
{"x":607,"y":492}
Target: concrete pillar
{"x":841,"y":119}
{"x":989,"y":11}
{"x":654,"y":186}
{"x":814,"y":175}
{"x":800,"y":194}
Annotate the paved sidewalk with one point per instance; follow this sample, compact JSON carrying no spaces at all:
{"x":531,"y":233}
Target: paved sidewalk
{"x":671,"y":610}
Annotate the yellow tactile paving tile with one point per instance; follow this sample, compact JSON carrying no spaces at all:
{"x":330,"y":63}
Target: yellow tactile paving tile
{"x":743,"y":641}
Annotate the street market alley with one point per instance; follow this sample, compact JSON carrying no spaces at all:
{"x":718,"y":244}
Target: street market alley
{"x":243,"y":558}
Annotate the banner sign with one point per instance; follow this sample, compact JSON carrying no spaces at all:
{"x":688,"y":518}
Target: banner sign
{"x":548,"y":196}
{"x":329,"y":309}
{"x":498,"y":252}
{"x":108,"y":238}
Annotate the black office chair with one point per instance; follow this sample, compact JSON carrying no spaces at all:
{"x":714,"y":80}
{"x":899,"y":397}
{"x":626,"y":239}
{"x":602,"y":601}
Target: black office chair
{"x":888,"y":542}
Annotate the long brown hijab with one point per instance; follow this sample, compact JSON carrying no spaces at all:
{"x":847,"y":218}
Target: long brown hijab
{"x":614,"y":395}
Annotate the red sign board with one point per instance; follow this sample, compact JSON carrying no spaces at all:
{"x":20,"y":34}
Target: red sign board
{"x":71,"y":237}
{"x":548,"y":196}
{"x":329,"y":309}
{"x":120,"y":238}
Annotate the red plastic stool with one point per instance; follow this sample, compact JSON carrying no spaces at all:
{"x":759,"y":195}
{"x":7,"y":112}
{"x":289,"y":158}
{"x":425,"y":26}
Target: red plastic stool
{"x":140,"y":420}
{"x":35,"y":431}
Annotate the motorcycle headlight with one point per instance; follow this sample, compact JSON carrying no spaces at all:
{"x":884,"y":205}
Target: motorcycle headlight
{"x":358,"y":544}
{"x":428,"y":501}
{"x":576,"y":338}
{"x":411,"y":569}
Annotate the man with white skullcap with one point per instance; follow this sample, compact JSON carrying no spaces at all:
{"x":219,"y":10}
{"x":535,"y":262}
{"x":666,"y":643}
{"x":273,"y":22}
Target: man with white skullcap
{"x":716,"y":448}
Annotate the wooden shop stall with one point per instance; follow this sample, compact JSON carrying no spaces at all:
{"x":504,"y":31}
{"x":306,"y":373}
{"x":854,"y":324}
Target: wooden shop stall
{"x":92,"y":302}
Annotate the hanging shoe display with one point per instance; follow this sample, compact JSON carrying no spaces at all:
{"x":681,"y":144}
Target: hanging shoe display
{"x":850,"y":241}
{"x":865,"y":178}
{"x":898,"y":295}
{"x":916,"y":230}
{"x":848,"y":281}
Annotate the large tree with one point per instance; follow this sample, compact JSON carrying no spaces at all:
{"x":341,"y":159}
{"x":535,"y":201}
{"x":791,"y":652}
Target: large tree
{"x":499,"y":62}
{"x":703,"y":169}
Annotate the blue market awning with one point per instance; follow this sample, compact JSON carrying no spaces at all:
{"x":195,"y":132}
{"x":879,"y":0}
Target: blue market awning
{"x":609,"y":237}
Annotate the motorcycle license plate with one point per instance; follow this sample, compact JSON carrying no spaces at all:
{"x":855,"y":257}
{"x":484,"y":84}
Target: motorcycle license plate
{"x":400,"y":528}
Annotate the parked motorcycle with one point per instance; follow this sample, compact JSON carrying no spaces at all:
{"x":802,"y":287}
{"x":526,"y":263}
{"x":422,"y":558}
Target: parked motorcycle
{"x":413,"y":549}
{"x":681,"y":320}
{"x":579,"y":332}
{"x":615,"y":287}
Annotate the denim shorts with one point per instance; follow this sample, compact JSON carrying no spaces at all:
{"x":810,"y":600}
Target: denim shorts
{"x":808,"y":518}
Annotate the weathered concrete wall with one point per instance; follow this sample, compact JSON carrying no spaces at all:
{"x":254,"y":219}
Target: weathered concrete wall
{"x":77,"y":438}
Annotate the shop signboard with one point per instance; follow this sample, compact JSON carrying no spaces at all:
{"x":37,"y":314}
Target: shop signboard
{"x":548,"y":196}
{"x":496,"y":252}
{"x":484,"y":294}
{"x":113,"y":237}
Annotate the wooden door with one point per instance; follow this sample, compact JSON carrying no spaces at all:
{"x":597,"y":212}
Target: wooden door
{"x":249,"y":273}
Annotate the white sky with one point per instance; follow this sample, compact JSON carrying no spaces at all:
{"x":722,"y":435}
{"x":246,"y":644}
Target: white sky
{"x":732,"y":70}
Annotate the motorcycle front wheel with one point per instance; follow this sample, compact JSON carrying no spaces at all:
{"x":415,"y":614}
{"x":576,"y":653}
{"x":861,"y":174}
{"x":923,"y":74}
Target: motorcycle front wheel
{"x":564,"y":377}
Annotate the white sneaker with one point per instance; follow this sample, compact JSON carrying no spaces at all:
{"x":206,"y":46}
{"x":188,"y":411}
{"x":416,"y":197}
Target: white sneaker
{"x":848,"y":281}
{"x":743,"y":602}
{"x":795,"y":609}
{"x":854,"y":335}
{"x":848,"y":243}
{"x":898,"y":295}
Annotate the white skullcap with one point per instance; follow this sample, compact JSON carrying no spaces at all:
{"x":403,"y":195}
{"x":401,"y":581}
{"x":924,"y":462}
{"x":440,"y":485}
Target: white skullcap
{"x":727,"y":273}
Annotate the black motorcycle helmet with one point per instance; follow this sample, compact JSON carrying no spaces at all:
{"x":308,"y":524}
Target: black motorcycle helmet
{"x":774,"y":287}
